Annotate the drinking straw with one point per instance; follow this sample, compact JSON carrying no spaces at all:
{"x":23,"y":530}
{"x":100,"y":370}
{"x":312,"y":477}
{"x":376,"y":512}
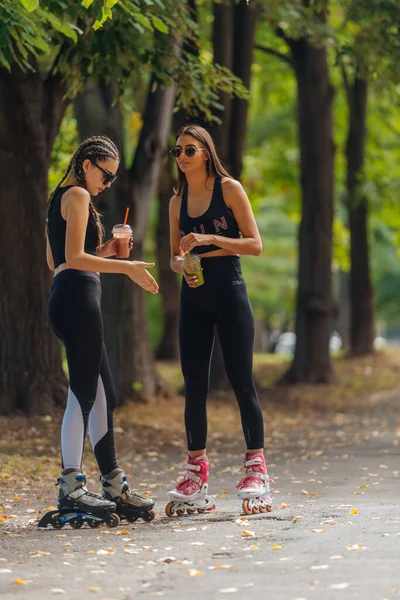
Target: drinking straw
{"x":126,"y":215}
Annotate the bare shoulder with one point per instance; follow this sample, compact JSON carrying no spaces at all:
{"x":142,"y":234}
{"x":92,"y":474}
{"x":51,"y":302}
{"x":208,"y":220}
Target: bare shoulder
{"x":232,"y":190}
{"x":76,"y":194}
{"x":175,"y":204}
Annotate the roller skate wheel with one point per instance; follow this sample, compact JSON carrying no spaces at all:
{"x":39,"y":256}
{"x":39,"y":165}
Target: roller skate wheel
{"x":180,"y":512}
{"x":246,"y":509}
{"x":56,"y":523}
{"x":76,"y":522}
{"x":255,"y":510}
{"x":269,"y":508}
{"x":112,"y":520}
{"x":190,"y":511}
{"x":169,"y":509}
{"x":94,"y":524}
{"x":263,"y":509}
{"x":149,"y":516}
{"x":201,"y":510}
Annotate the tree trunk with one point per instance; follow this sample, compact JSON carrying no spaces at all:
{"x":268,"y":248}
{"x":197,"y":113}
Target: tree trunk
{"x":223,"y":41}
{"x":312,"y":361}
{"x":144,"y":177}
{"x":168,"y":348}
{"x":343,"y":322}
{"x":31,"y":375}
{"x":362,"y":331}
{"x":245,"y":16}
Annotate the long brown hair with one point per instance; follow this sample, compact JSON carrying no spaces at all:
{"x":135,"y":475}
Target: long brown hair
{"x":214,"y":165}
{"x":95,"y":148}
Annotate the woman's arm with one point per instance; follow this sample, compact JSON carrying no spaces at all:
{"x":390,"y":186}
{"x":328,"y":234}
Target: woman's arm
{"x":236,"y":199}
{"x":175,"y":235}
{"x":77,"y":215}
{"x":49,"y":255}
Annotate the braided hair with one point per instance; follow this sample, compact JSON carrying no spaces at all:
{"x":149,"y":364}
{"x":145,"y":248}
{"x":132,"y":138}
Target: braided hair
{"x":95,"y":148}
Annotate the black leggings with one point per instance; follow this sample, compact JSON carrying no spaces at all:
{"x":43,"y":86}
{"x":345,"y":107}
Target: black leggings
{"x":222,"y":301}
{"x":75,"y":317}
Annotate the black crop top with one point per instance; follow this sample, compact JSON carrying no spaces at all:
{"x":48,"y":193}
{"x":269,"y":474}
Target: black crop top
{"x":57,"y":227}
{"x":218,"y":219}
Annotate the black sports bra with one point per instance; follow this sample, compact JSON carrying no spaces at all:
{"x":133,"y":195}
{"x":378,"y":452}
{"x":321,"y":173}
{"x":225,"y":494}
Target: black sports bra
{"x":218,"y":219}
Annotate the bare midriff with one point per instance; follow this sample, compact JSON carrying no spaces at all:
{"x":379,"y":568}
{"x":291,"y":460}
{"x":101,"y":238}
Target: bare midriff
{"x":217,"y":253}
{"x":63,"y":267}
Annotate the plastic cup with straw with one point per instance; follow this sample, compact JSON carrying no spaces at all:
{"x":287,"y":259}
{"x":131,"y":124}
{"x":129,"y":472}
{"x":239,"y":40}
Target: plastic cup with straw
{"x":123,"y":233}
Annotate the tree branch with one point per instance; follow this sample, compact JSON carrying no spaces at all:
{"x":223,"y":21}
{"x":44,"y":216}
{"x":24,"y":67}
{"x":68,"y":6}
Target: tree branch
{"x":285,"y":57}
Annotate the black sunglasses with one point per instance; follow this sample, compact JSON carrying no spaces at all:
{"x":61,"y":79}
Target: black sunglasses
{"x":190,"y":151}
{"x":107,"y":177}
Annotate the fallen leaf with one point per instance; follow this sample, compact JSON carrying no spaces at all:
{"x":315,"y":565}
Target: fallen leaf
{"x":354,"y":511}
{"x":339,"y":586}
{"x":193,"y":572}
{"x":276,"y":547}
{"x":318,"y":530}
{"x":355,"y":547}
{"x":228,"y":590}
{"x":20,"y":582}
{"x":246,"y":533}
{"x":40,"y":553}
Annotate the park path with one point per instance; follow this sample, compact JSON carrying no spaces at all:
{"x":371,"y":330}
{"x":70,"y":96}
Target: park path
{"x":334,"y":532}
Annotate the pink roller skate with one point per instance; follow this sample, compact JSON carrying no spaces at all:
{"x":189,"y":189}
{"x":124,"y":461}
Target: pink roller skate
{"x":254,"y":486}
{"x":191,"y":493}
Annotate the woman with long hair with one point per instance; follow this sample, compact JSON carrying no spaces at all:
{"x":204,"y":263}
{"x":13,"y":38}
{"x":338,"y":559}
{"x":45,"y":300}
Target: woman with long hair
{"x":77,"y":255}
{"x":211,"y":214}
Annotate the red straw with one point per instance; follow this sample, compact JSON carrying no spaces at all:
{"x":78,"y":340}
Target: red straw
{"x":126,"y":215}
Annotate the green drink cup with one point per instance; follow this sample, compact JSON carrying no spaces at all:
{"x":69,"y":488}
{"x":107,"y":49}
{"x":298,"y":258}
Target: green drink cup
{"x":192,"y":266}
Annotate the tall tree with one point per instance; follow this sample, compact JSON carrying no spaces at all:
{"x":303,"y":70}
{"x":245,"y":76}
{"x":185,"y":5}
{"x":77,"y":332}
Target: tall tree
{"x":305,"y":33}
{"x":368,"y":46}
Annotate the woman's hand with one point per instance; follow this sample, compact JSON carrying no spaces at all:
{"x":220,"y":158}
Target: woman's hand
{"x":137,"y":271}
{"x":109,"y":248}
{"x":192,"y":240}
{"x":191,"y":280}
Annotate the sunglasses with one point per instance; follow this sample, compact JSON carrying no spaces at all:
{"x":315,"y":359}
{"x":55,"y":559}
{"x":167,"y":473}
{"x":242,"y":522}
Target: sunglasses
{"x":190,"y":151}
{"x":107,"y":177}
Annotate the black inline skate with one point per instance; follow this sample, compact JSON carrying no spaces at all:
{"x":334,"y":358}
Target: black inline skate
{"x":130,"y":506}
{"x":76,"y":505}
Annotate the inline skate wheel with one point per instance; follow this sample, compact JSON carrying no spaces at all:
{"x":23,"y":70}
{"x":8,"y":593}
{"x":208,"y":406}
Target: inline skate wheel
{"x":112,"y":520}
{"x":169,"y":509}
{"x":190,"y":511}
{"x":56,"y":523}
{"x":149,"y":516}
{"x":263,"y":509}
{"x":76,"y":522}
{"x":246,"y":509}
{"x":94,"y":524}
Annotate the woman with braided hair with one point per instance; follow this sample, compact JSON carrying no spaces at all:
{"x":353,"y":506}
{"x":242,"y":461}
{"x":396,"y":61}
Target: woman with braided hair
{"x":77,"y":256}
